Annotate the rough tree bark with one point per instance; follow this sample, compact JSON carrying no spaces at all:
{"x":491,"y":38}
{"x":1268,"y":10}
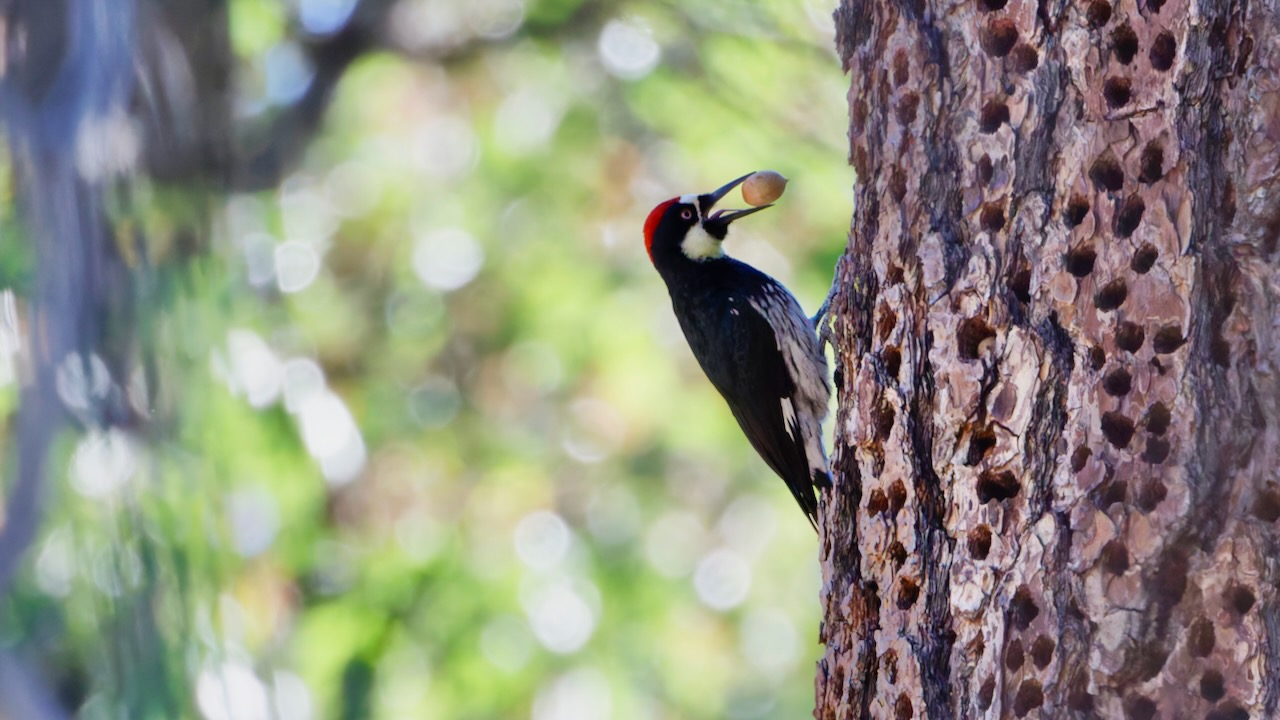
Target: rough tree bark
{"x":1059,"y":430}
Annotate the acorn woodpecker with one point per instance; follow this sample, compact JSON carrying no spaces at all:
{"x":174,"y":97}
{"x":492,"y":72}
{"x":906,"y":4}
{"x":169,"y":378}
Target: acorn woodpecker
{"x":749,"y":335}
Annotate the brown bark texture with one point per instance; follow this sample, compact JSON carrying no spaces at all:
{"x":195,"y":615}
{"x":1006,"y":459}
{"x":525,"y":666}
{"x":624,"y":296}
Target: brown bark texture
{"x":1057,"y":450}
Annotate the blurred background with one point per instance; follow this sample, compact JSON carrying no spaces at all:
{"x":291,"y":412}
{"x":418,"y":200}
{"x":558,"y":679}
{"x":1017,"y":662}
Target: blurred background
{"x":369,"y":403}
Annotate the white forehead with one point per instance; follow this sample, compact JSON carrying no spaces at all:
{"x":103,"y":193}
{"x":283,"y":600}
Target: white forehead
{"x":692,"y":200}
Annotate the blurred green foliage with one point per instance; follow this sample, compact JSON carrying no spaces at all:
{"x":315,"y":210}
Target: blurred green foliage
{"x":433,"y":445}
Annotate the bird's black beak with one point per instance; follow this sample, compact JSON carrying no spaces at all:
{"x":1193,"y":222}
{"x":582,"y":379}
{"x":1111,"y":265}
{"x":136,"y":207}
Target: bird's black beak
{"x":717,"y":224}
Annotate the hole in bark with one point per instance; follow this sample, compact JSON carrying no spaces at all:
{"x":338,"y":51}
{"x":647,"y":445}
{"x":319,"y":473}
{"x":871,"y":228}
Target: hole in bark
{"x":1023,"y":58}
{"x":1117,"y":429}
{"x":986,"y":169}
{"x":1151,"y":493}
{"x":980,"y":443}
{"x":902,"y":709}
{"x":1013,"y":655}
{"x":1125,"y":43}
{"x":1080,"y":457}
{"x":908,"y":593}
{"x":992,"y":216}
{"x":1139,"y":707}
{"x":1020,"y":284}
{"x":1240,"y":598}
{"x":998,"y":486}
{"x":898,"y":554}
{"x":1076,"y":210}
{"x":897,"y":497}
{"x":1158,"y":418}
{"x":1157,"y":450}
{"x":877,"y":502}
{"x":1117,"y":91}
{"x":1106,"y":173}
{"x":887,"y":322}
{"x":907,"y":106}
{"x":1129,"y":336}
{"x":1200,"y":638}
{"x":1098,"y":13}
{"x":993,"y":5}
{"x":1163,"y":50}
{"x":970,"y":337}
{"x":901,"y":68}
{"x":1266,"y":507}
{"x":889,"y":661}
{"x":986,"y":693}
{"x":1228,"y":711}
{"x":994,"y":114}
{"x":980,"y":542}
{"x":1022,"y":609}
{"x":1029,"y":697}
{"x":897,"y":184}
{"x":1042,"y":651}
{"x":882,"y":417}
{"x":1118,"y":382}
{"x":1151,"y":164}
{"x":1097,"y":357}
{"x":1155,"y":5}
{"x":892,"y":360}
{"x":1144,"y":259}
{"x":1112,"y":493}
{"x":1151,"y":660}
{"x":1000,"y":37}
{"x":1212,"y":686}
{"x":1130,"y":215}
{"x":894,"y":275}
{"x":1167,"y":339}
{"x":1080,"y":260}
{"x":1111,"y":295}
{"x":1170,"y":580}
{"x":1115,"y":557}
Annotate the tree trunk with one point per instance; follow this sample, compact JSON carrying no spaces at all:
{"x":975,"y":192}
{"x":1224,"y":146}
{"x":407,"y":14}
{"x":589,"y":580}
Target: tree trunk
{"x":1059,"y":430}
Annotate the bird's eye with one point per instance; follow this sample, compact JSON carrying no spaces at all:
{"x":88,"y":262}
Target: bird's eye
{"x":686,"y":214}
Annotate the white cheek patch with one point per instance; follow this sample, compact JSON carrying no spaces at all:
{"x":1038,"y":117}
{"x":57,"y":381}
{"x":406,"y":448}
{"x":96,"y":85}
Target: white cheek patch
{"x":699,"y":245}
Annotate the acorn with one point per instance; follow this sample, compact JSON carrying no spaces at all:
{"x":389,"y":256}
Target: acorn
{"x":763,"y":187}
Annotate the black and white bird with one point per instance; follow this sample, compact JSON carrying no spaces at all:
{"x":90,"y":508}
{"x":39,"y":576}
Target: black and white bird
{"x":750,"y":336}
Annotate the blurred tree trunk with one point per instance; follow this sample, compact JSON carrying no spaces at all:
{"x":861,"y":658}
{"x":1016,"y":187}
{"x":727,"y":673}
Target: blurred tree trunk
{"x":1058,"y":339}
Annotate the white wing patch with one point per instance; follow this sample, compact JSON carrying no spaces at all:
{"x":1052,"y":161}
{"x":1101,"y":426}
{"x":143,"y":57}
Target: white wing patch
{"x":789,"y":417}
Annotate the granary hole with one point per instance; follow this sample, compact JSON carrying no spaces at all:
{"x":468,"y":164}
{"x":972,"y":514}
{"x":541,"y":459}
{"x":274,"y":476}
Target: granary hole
{"x":1115,"y":557}
{"x":994,"y":114}
{"x":1229,"y":710}
{"x":1167,"y":339}
{"x":986,"y":693}
{"x":882,"y":416}
{"x":1117,"y":91}
{"x":1023,"y":58}
{"x":894,"y":275}
{"x":1013,"y":655}
{"x":1076,"y":210}
{"x":1080,"y":260}
{"x":908,"y":593}
{"x":1144,"y":259}
{"x":1106,"y":173}
{"x":901,"y":68}
{"x":1150,"y":494}
{"x":997,"y":485}
{"x":1118,"y":382}
{"x":992,"y":216}
{"x":980,"y":542}
{"x":986,"y":169}
{"x":1022,"y":608}
{"x":877,"y":502}
{"x":980,"y":443}
{"x":1098,"y":13}
{"x":889,"y":662}
{"x":1130,"y":215}
{"x":1212,"y":685}
{"x":1266,"y":506}
{"x":902,"y":709}
{"x":1112,"y":493}
{"x":907,"y":106}
{"x":1155,"y":5}
{"x":971,"y":336}
{"x":1163,"y":50}
{"x":892,"y":357}
{"x":898,"y":554}
{"x":1129,"y":336}
{"x":1080,"y":457}
{"x":993,"y":5}
{"x":1158,"y":418}
{"x":1111,"y":296}
{"x":1029,"y":697}
{"x":1157,"y":451}
{"x":1169,"y":582}
{"x":1151,"y":660}
{"x":1097,"y":357}
{"x":1139,"y":707}
{"x":897,"y":496}
{"x":1117,"y":429}
{"x":1020,"y":284}
{"x":887,"y":321}
{"x":1125,"y":44}
{"x":1240,"y":598}
{"x":1000,"y":37}
{"x":1151,"y":163}
{"x":1200,"y":637}
{"x":1042,"y":651}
